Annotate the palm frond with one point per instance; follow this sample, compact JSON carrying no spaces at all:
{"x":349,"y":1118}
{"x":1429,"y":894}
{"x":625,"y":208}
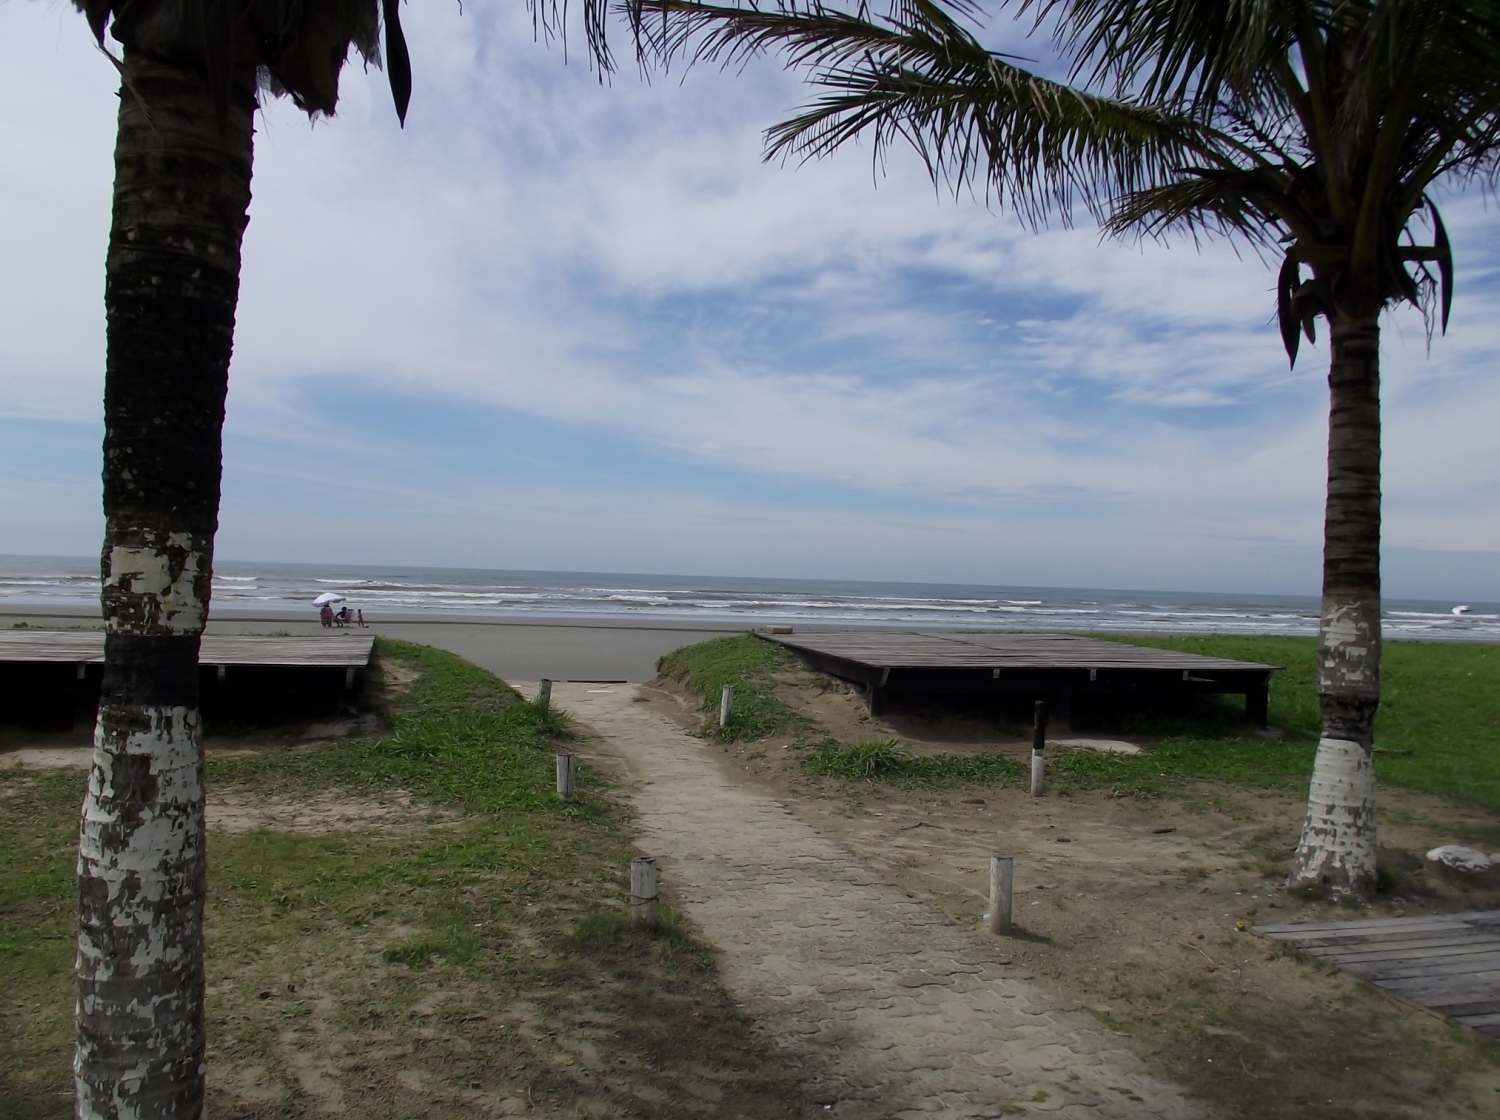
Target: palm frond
{"x":1202,"y":200}
{"x":298,"y":47}
{"x":919,"y":77}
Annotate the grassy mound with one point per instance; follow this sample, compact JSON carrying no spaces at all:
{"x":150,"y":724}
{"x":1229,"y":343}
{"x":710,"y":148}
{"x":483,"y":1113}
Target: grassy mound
{"x":399,"y":924}
{"x":752,"y":667}
{"x":1438,"y":729}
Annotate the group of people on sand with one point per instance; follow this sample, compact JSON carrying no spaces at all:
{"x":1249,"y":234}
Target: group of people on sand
{"x":341,"y":617}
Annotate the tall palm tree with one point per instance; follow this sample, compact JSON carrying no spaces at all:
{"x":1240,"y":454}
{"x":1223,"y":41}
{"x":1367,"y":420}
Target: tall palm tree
{"x":191,"y":73}
{"x":1315,"y":128}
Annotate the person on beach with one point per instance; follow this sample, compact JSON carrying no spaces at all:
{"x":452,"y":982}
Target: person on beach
{"x":326,"y":614}
{"x":361,"y":616}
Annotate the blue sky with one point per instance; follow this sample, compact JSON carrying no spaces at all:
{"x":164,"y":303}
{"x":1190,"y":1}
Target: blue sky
{"x":559,"y":324}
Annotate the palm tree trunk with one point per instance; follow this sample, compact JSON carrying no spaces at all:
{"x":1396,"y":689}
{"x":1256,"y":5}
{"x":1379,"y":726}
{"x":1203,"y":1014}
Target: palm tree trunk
{"x":182,"y":190}
{"x":1337,"y":848}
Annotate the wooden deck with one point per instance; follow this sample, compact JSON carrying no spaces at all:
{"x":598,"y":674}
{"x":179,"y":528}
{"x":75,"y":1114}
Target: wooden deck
{"x":1056,"y":667}
{"x":344,"y":650}
{"x":1449,"y":964}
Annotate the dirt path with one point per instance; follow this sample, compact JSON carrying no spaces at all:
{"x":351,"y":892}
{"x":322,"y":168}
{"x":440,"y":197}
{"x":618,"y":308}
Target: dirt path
{"x":882,"y":1006}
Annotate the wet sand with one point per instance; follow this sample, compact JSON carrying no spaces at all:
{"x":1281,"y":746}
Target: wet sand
{"x":563,"y":649}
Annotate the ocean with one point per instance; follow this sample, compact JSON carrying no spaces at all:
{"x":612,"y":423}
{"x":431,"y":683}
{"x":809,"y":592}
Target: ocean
{"x":40,"y":583}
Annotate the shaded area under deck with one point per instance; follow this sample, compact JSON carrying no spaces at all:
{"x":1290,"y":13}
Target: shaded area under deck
{"x":51,"y":678}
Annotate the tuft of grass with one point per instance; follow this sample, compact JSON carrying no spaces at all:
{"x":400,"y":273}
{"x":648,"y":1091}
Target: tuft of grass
{"x":612,"y":933}
{"x":863,"y":760}
{"x":889,"y":761}
{"x":751,"y":666}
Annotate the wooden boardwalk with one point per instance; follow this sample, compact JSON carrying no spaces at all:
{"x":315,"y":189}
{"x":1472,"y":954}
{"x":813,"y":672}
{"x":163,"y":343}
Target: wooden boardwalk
{"x":1448,"y":963}
{"x":1057,"y":667}
{"x":343,"y":650}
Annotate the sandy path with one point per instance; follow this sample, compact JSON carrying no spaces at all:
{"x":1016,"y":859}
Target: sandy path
{"x":883,"y":1006}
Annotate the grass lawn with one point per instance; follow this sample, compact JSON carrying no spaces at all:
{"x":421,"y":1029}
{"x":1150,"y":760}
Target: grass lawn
{"x":1438,"y":729}
{"x":398,"y":926}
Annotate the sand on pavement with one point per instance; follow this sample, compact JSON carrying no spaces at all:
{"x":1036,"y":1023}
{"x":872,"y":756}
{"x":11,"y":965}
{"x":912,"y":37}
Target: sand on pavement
{"x":882,"y":1006}
{"x":559,"y":649}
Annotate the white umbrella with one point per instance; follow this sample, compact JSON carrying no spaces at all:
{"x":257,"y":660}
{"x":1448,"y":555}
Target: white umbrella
{"x":327,"y":597}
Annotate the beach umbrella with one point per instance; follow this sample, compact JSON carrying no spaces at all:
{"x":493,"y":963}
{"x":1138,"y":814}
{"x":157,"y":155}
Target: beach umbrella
{"x":327,"y":597}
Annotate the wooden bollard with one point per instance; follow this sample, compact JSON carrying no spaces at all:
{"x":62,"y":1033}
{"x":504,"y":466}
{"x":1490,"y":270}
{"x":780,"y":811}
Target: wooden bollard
{"x":726,"y":705}
{"x":1002,"y":872}
{"x":643,"y":893}
{"x":567,"y":774}
{"x":544,"y":694}
{"x":1038,"y":747}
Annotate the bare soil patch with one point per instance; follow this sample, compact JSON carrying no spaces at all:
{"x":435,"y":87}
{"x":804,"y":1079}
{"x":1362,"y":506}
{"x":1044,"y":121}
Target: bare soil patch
{"x":233,"y":810}
{"x":1138,"y":910}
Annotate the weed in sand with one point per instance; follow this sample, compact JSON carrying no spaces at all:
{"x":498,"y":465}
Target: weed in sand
{"x":890,"y":762}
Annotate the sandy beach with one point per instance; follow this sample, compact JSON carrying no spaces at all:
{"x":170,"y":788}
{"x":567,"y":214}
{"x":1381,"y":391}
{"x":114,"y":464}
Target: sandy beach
{"x":563,"y":650}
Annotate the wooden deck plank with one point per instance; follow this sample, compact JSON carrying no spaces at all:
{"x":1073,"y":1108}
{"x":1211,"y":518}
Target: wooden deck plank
{"x":1284,"y":932}
{"x":925,"y":650}
{"x":335,"y":651}
{"x":1469,"y":957}
{"x":1440,"y":993}
{"x":1477,"y":968}
{"x":1473,"y":962}
{"x":1455,"y":945}
{"x":1492,"y":1019}
{"x":1464,"y":1009}
{"x":1326,"y":939}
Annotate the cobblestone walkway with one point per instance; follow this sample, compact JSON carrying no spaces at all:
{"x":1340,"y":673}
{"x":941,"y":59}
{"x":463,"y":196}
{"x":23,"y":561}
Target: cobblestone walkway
{"x":882,"y":1006}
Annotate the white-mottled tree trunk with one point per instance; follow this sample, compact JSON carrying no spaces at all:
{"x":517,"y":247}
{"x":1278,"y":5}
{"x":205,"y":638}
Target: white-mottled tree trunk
{"x":1338,"y":844}
{"x":182,"y":190}
{"x":1338,"y":835}
{"x":141,"y":868}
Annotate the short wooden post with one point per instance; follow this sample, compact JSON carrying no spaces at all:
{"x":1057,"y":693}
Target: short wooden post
{"x":1038,"y":747}
{"x":1258,"y":702}
{"x":1002,"y":872}
{"x":726,"y":705}
{"x":544,"y":694}
{"x":567,"y":774}
{"x":643,"y":893}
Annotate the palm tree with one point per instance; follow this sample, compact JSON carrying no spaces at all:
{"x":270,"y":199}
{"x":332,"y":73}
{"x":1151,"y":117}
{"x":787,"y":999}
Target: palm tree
{"x":191,"y":74}
{"x":1317,"y":129}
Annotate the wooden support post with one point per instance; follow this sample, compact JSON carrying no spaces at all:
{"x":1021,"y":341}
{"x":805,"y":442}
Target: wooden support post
{"x":567,"y":774}
{"x":1258,"y":703}
{"x":222,"y":671}
{"x":351,"y":674}
{"x":83,"y":712}
{"x":1002,"y":871}
{"x":1038,"y":747}
{"x":1060,"y":710}
{"x":544,"y":694}
{"x":726,"y":705}
{"x":643,"y":893}
{"x":875,"y":693}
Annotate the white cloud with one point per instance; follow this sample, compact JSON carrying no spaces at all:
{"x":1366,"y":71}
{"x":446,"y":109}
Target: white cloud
{"x":617,"y":260}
